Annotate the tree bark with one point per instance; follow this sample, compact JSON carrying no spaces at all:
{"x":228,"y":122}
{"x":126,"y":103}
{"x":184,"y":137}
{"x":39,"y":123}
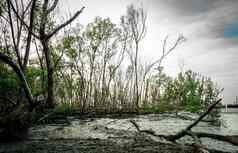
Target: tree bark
{"x":29,"y":36}
{"x":137,"y":98}
{"x":50,"y":74}
{"x":20,"y":75}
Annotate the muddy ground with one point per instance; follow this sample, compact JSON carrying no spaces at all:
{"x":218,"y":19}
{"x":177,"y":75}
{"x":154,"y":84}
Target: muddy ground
{"x":112,"y":135}
{"x":96,"y":146}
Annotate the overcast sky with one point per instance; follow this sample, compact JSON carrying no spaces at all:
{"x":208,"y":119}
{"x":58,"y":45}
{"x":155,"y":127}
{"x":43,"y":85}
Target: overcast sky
{"x":210,"y":27}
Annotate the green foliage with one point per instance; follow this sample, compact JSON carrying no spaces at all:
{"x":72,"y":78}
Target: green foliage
{"x":68,"y":43}
{"x":34,"y":77}
{"x":99,"y":31}
{"x":191,"y":91}
{"x":66,"y":108}
{"x":158,"y":108}
{"x":8,"y":80}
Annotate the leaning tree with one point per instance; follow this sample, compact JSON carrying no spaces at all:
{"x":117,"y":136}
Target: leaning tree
{"x":25,"y":21}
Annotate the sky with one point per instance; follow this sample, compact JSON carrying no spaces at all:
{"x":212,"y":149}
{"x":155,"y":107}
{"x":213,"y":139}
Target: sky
{"x":209,"y":26}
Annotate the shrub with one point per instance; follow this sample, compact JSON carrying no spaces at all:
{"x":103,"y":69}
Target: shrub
{"x":191,"y":91}
{"x":65,"y":108}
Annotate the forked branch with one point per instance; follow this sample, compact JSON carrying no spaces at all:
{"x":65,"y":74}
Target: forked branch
{"x":57,"y":29}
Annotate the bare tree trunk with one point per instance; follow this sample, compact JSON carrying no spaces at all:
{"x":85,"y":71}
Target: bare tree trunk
{"x":29,"y":37}
{"x":135,"y":23}
{"x":20,"y":75}
{"x":103,"y":88}
{"x":146,"y":92}
{"x":136,"y":78}
{"x":45,"y":38}
{"x":50,"y":74}
{"x":16,"y":123}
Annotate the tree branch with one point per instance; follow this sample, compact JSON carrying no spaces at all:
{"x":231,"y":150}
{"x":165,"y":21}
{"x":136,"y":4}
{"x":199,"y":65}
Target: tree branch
{"x":29,"y":37}
{"x":13,"y":34}
{"x":53,"y":6}
{"x":184,"y":132}
{"x":227,"y":138}
{"x":210,"y":108}
{"x":230,"y":139}
{"x":65,"y":24}
{"x":22,"y":20}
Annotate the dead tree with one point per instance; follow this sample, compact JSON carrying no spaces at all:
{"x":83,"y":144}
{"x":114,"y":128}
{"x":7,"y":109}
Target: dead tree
{"x":135,"y":23}
{"x":158,"y":62}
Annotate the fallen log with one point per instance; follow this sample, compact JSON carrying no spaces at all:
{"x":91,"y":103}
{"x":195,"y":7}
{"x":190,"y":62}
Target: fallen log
{"x":195,"y":135}
{"x":232,"y":139}
{"x":198,"y":144}
{"x":185,"y":131}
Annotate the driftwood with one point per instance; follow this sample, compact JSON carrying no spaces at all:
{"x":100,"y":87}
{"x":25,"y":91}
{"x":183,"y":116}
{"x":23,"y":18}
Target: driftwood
{"x":184,"y":132}
{"x":227,"y":138}
{"x":195,"y":135}
{"x":198,"y":144}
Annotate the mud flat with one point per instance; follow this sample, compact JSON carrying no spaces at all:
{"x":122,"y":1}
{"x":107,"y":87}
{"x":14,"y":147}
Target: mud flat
{"x":110,"y":134}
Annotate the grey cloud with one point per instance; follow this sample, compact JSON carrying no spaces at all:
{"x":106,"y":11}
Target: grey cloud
{"x":189,"y":7}
{"x":196,"y":7}
{"x":203,"y":22}
{"x":212,"y":15}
